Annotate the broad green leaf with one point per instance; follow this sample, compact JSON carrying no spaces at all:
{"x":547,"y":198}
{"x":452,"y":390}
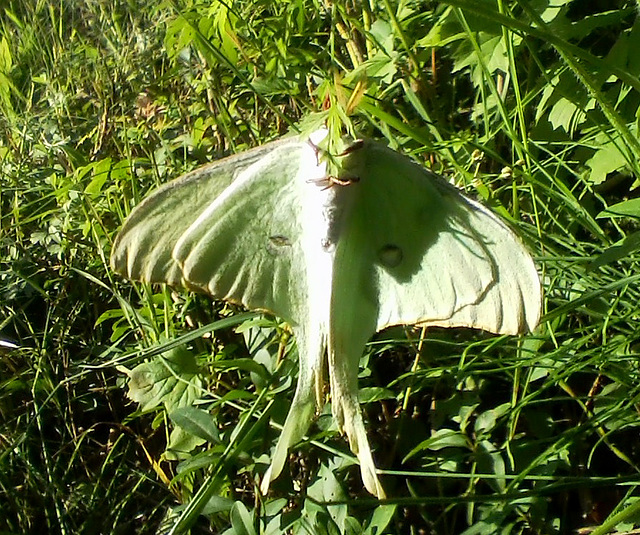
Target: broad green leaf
{"x":380,"y":519}
{"x":490,"y":461}
{"x":170,"y":379}
{"x":181,"y":444}
{"x":442,"y":438}
{"x":487,"y":420}
{"x":217,"y":504}
{"x":241,"y":520}
{"x":606,"y":159}
{"x":618,"y":250}
{"x":374,"y":393}
{"x":630,"y":208}
{"x":328,"y":488}
{"x":195,"y":421}
{"x":100,"y":172}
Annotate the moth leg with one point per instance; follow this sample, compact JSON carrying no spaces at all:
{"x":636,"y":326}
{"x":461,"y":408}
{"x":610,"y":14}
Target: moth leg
{"x":324,"y":181}
{"x":332,"y":180}
{"x":344,"y":180}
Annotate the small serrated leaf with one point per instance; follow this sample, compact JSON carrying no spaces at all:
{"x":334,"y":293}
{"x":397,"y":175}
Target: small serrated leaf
{"x":170,"y":379}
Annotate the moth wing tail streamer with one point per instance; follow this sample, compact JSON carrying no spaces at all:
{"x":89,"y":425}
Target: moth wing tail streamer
{"x":434,"y":258}
{"x":306,"y":402}
{"x":346,"y":410}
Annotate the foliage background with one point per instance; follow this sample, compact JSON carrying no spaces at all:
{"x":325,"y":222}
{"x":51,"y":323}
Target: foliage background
{"x":532,"y":106}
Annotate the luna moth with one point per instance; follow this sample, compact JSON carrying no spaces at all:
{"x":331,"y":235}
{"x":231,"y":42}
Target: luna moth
{"x":339,"y":257}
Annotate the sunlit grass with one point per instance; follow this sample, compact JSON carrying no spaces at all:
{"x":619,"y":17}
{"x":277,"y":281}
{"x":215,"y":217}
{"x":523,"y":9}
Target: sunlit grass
{"x":102,"y":101}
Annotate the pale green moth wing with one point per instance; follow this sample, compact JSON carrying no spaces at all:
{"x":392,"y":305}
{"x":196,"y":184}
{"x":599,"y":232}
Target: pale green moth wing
{"x":426,"y":254}
{"x":414,"y":250}
{"x":216,"y":230}
{"x":248,"y":229}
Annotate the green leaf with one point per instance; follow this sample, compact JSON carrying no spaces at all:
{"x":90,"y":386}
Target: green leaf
{"x":374,"y":393}
{"x":181,"y":444}
{"x":327,"y":488}
{"x":606,"y":159}
{"x":380,"y":519}
{"x":170,"y":379}
{"x":487,"y":420}
{"x":490,"y":461}
{"x":6,"y":62}
{"x":101,"y":171}
{"x":442,"y":438}
{"x":197,"y":422}
{"x":619,"y":250}
{"x":217,"y":504}
{"x":241,"y":520}
{"x":630,"y":208}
